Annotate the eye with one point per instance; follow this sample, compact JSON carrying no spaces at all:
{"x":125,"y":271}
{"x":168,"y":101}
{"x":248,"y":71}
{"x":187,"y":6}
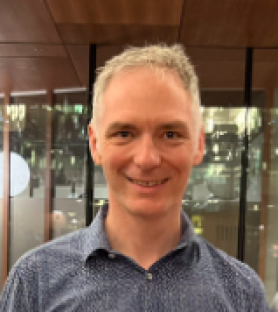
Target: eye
{"x":123,"y":134}
{"x":171,"y":135}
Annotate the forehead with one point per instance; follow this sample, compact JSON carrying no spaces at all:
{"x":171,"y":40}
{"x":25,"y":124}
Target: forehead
{"x":144,"y":83}
{"x":152,"y":71}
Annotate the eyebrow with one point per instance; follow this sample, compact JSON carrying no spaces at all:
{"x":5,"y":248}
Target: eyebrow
{"x":172,"y":125}
{"x":116,"y":126}
{"x":176,"y":124}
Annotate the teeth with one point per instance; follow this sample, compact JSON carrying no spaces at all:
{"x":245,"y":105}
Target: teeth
{"x":145,"y":183}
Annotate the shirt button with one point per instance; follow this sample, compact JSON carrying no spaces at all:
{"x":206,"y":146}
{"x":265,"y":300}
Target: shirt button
{"x":149,"y":276}
{"x":111,"y":256}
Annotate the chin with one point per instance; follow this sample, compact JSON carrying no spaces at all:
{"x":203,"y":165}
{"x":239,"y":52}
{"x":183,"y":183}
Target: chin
{"x":150,"y":210}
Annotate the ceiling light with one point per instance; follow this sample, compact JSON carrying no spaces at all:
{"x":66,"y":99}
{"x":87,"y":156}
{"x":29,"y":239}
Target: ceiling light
{"x":57,"y":91}
{"x":24,"y":93}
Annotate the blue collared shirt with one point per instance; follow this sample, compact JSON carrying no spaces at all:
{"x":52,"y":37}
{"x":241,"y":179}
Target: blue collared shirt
{"x":81,"y":272}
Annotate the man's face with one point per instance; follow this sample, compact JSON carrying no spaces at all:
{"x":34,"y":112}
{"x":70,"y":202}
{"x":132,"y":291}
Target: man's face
{"x":146,"y":142}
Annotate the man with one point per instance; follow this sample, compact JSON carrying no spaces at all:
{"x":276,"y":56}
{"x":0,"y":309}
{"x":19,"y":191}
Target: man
{"x":140,"y":253}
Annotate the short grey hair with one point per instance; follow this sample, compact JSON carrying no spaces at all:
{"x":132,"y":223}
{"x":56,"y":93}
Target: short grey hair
{"x":158,"y":56}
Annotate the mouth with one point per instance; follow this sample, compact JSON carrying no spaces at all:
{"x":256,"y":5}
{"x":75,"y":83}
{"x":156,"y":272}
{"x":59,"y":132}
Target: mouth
{"x":148,"y":183}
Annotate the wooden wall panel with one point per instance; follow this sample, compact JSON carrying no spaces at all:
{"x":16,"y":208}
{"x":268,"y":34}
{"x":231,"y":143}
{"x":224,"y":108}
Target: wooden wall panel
{"x":26,"y":21}
{"x":80,"y":58}
{"x":32,"y":50}
{"x":28,"y":74}
{"x":124,"y":12}
{"x":215,"y":75}
{"x":117,"y":34}
{"x":266,"y":55}
{"x":230,"y":23}
{"x":219,"y":68}
{"x":265,"y":69}
{"x":109,"y":21}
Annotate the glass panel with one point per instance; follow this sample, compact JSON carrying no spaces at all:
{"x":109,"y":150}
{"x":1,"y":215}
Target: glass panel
{"x":254,"y":181}
{"x":100,"y":189}
{"x":1,"y":179}
{"x":262,"y":217}
{"x":212,"y":196}
{"x":69,"y":161}
{"x":27,"y":173}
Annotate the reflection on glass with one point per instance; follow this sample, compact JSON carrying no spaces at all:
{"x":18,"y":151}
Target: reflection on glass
{"x":266,"y":200}
{"x":2,"y":180}
{"x":262,"y":218}
{"x":100,"y":189}
{"x":254,"y":183}
{"x":69,"y":150}
{"x":272,"y":220}
{"x":212,"y":195}
{"x":27,"y":173}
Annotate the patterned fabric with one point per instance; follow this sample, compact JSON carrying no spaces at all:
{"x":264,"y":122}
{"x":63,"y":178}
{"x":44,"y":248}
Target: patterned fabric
{"x":81,"y":272}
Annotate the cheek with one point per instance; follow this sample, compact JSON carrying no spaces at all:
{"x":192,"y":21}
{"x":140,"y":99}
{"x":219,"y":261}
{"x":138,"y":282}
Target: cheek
{"x":182,"y":158}
{"x":113,"y":162}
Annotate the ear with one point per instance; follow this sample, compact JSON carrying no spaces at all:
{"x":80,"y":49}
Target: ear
{"x":199,"y":153}
{"x":94,"y":145}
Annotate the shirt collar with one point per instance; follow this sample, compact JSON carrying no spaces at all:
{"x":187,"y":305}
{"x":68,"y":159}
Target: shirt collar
{"x":95,"y":235}
{"x":188,"y":234}
{"x":96,"y":238}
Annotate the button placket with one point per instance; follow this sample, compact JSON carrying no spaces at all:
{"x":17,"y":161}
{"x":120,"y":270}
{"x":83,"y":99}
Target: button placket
{"x":149,"y":276}
{"x":111,"y":255}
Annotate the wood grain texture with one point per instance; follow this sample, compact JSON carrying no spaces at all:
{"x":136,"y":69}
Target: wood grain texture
{"x":265,"y":69}
{"x":28,"y":74}
{"x":116,"y":34}
{"x":219,"y":68}
{"x":32,"y":50}
{"x":124,"y":12}
{"x":230,"y":23}
{"x":80,"y":59}
{"x":26,"y":21}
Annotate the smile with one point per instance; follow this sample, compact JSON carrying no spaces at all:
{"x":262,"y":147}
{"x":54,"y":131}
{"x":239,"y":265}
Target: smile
{"x":148,"y":183}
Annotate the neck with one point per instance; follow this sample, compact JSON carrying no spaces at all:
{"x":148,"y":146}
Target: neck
{"x":142,"y":238}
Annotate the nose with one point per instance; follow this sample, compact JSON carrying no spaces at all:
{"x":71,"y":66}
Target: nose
{"x":147,"y":155}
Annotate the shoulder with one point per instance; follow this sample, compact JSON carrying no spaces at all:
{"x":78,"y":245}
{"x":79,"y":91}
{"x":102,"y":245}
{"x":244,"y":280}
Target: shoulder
{"x":222,"y":262}
{"x":64,"y":253}
{"x":30,"y":276}
{"x":227,"y":266}
{"x":70,"y":245}
{"x":238,"y":279}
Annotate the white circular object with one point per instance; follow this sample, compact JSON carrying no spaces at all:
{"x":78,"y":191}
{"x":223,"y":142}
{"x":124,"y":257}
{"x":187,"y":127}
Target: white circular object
{"x":19,"y":174}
